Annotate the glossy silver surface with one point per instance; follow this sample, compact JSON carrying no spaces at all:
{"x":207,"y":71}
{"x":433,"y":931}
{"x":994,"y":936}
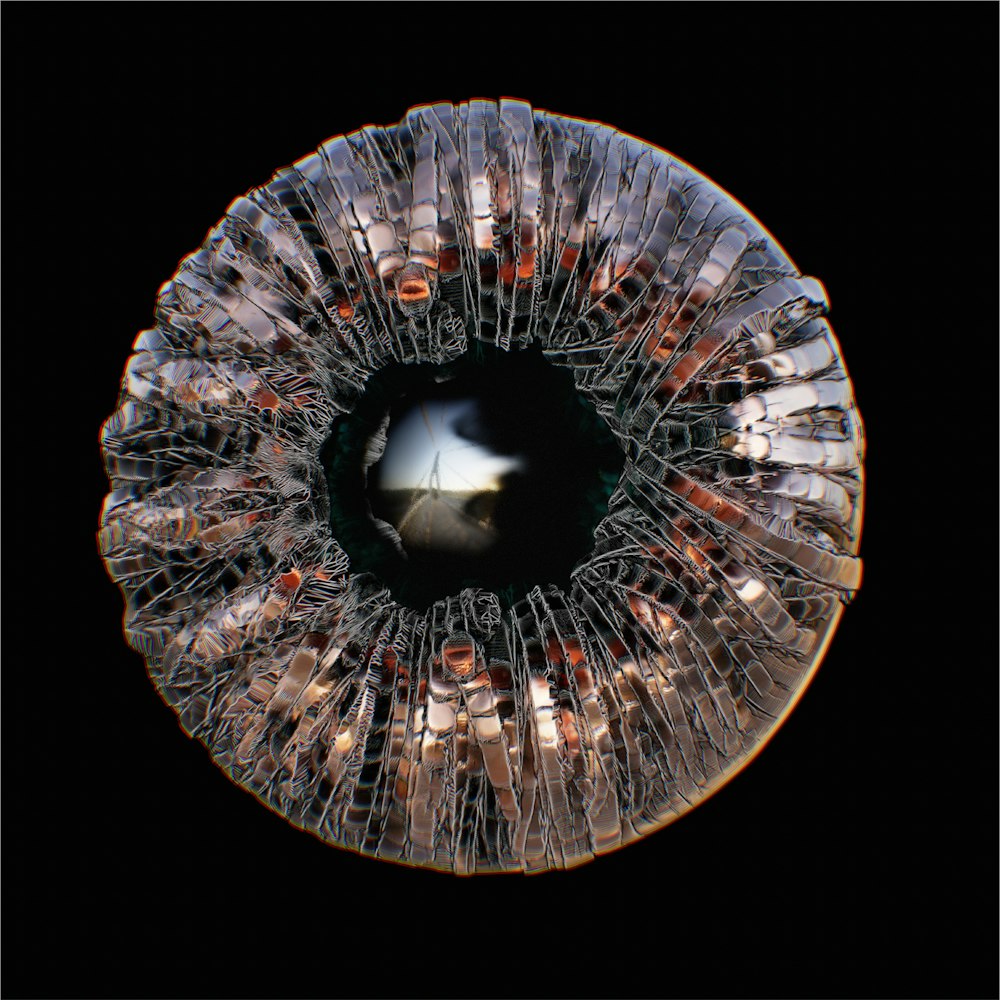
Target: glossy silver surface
{"x":470,"y":738}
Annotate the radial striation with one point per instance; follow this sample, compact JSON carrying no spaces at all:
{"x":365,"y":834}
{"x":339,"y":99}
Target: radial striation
{"x":471,"y":738}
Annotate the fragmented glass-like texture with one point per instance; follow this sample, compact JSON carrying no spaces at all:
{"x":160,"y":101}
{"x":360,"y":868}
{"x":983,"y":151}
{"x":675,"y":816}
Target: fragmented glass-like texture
{"x":471,"y":736}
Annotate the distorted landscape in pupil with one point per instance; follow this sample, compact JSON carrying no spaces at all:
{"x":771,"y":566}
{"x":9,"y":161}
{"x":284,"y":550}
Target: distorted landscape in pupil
{"x":492,"y":472}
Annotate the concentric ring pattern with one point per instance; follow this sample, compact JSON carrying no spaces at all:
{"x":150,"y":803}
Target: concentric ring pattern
{"x":472,"y":738}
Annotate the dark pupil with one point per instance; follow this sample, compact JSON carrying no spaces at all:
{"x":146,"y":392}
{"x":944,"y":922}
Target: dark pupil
{"x":495,"y":473}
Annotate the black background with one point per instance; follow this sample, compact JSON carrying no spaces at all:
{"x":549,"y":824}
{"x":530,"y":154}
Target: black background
{"x":857,"y":855}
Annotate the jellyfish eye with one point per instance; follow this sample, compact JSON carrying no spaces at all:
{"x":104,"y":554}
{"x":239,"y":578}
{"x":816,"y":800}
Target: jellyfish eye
{"x":487,"y":491}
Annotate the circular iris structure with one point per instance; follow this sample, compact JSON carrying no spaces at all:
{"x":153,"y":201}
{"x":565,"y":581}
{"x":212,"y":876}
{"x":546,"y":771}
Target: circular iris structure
{"x":427,"y":602}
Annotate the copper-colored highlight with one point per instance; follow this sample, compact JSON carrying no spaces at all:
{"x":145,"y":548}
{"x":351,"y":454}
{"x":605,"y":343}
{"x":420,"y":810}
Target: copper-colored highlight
{"x":569,"y":257}
{"x":449,"y":260}
{"x":414,"y":290}
{"x":458,"y":656}
{"x":265,"y":399}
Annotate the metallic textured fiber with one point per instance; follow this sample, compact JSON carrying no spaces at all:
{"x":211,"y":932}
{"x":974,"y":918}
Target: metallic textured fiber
{"x":472,"y":738}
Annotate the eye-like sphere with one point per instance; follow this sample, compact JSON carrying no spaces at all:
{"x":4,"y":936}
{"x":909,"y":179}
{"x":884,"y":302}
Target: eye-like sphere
{"x":470,"y":736}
